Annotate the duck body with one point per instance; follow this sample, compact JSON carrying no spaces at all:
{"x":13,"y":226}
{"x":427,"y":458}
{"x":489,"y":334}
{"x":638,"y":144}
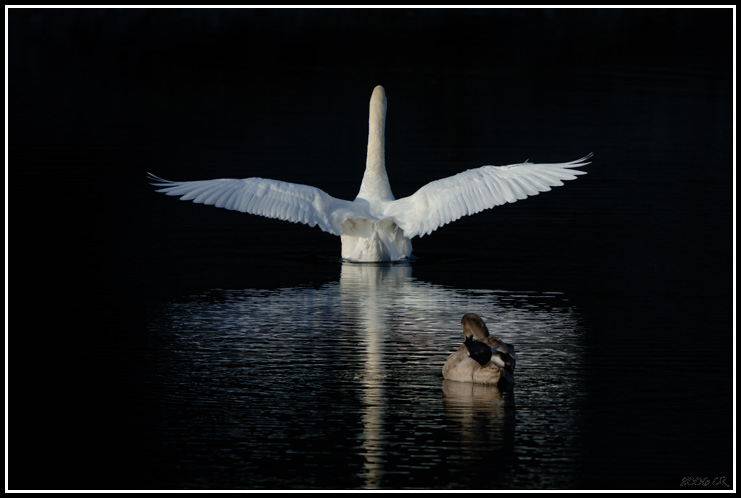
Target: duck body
{"x":461,"y":367}
{"x":376,"y":226}
{"x":482,"y":358}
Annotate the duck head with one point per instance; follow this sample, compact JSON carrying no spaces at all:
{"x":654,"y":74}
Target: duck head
{"x":474,"y":327}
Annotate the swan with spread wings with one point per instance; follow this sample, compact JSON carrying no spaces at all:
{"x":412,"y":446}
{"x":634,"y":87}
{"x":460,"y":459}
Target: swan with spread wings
{"x":376,"y":226}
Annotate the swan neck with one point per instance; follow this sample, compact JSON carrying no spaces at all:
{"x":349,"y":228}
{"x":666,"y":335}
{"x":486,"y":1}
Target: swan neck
{"x":375,"y":181}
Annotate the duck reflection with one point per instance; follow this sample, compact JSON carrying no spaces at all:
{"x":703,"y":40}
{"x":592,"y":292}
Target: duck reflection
{"x":373,"y":295}
{"x":484,"y":419}
{"x":371,"y":347}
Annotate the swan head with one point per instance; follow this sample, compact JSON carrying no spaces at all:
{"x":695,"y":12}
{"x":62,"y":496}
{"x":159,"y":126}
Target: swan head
{"x":378,"y":108}
{"x":474,"y":328}
{"x":379,"y":94}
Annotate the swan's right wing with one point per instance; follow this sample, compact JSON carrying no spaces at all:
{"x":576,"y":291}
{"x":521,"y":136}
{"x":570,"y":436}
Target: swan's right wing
{"x":443,"y":201}
{"x":264,"y":197}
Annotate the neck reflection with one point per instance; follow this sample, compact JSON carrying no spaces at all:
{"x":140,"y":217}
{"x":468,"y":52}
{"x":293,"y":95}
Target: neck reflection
{"x":374,"y":340}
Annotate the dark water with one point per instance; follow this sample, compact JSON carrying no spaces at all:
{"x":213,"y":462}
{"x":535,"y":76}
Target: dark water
{"x":343,"y":382}
{"x":166,"y":345}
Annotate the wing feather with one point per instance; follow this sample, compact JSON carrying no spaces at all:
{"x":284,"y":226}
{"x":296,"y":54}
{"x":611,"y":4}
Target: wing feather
{"x":443,"y":201}
{"x":264,"y":197}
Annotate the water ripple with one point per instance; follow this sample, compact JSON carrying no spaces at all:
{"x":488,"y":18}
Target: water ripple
{"x":340,"y":387}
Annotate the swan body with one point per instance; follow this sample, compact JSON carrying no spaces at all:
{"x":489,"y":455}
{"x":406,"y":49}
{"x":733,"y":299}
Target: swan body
{"x":375,"y":226}
{"x":482,"y":358}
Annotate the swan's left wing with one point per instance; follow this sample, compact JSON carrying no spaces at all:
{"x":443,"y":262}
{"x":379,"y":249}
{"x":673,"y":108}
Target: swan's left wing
{"x":264,"y":197}
{"x":443,"y":201}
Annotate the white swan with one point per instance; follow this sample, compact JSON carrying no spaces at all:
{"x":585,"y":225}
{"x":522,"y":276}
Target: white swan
{"x":376,"y":226}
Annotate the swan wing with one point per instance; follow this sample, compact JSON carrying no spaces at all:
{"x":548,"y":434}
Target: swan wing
{"x":264,"y":197}
{"x":443,"y":201}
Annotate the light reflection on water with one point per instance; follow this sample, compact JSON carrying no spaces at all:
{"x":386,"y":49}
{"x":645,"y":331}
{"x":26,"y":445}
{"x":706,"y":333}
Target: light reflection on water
{"x":340,"y":387}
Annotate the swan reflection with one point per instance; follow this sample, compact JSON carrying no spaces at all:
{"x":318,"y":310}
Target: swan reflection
{"x":349,"y":374}
{"x":361,"y":288}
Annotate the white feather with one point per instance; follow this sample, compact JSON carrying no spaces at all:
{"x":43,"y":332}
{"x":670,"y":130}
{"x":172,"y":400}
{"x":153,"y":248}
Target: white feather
{"x":270,"y":198}
{"x":375,"y":227}
{"x":443,"y":201}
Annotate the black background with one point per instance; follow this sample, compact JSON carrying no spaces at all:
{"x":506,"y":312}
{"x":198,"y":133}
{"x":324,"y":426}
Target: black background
{"x":98,"y":97}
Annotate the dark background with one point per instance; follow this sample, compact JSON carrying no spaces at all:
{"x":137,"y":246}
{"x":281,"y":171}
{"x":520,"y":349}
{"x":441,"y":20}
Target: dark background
{"x":98,"y":97}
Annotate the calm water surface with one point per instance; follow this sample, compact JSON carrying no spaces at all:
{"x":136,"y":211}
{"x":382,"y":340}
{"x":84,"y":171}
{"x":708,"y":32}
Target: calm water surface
{"x":340,"y":386}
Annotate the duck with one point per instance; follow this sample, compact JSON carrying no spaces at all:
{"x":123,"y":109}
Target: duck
{"x":482,"y":358}
{"x":375,"y":226}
